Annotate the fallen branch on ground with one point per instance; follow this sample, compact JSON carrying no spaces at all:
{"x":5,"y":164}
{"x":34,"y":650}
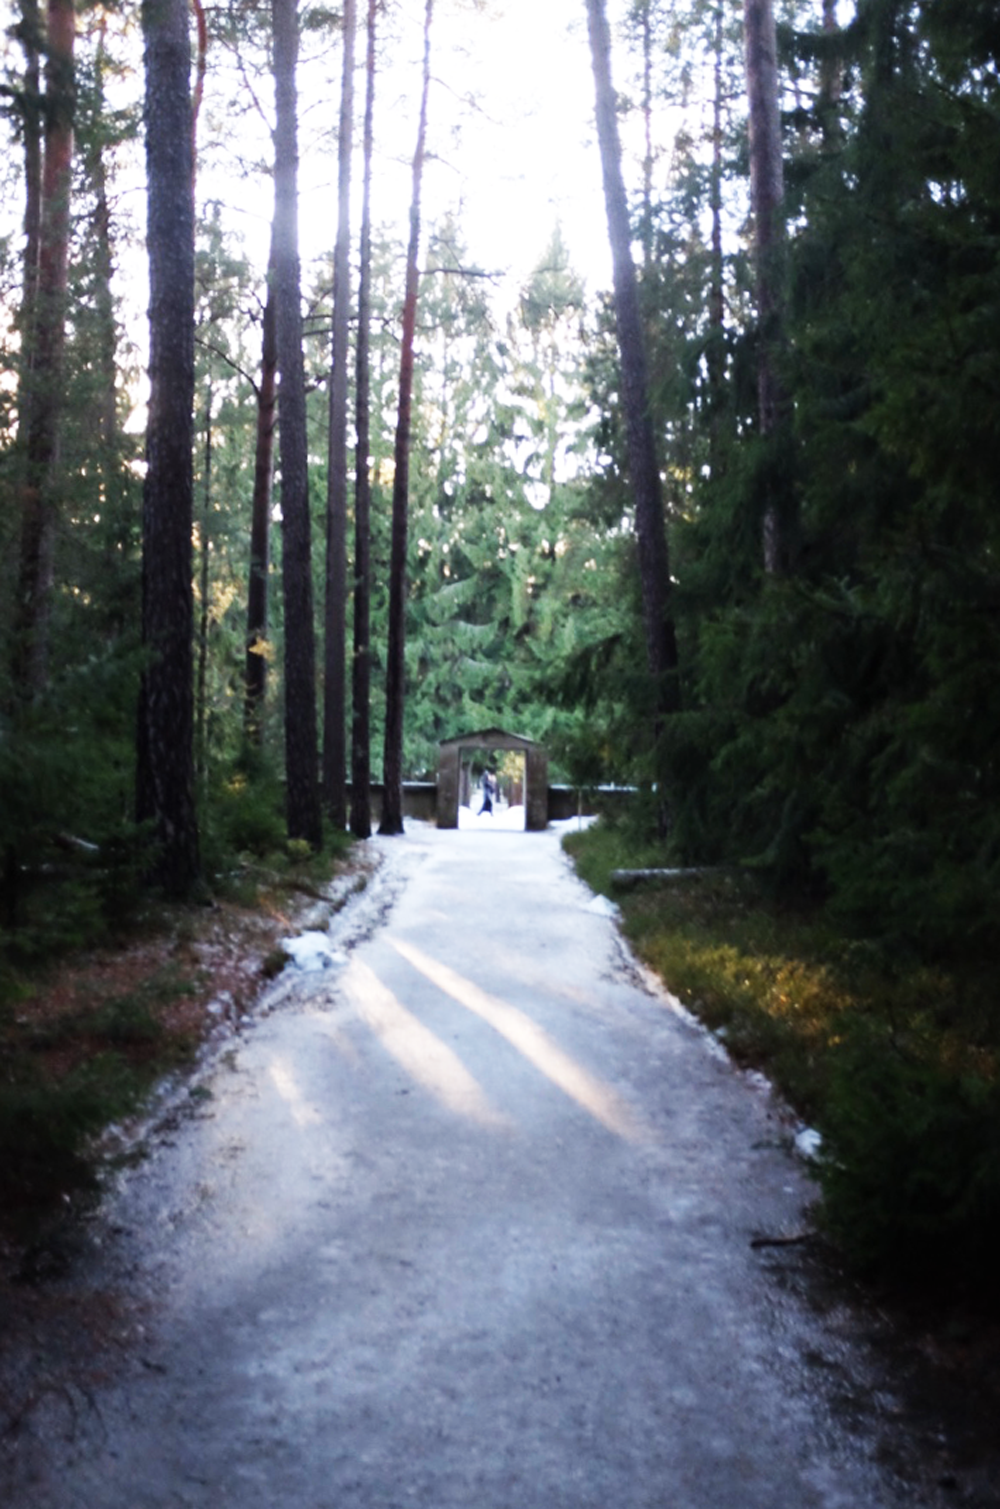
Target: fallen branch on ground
{"x":626,"y":880}
{"x":796,"y":1241}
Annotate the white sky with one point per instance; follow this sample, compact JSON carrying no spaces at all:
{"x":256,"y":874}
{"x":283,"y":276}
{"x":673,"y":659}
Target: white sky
{"x":511,"y":135}
{"x":529,"y":157}
{"x":520,"y":159}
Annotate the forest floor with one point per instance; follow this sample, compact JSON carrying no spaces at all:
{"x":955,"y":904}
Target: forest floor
{"x":64,"y":1338}
{"x":187,"y":978}
{"x":142,"y":1011}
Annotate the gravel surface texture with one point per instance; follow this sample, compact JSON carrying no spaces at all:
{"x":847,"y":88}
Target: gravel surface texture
{"x":470,"y":1218}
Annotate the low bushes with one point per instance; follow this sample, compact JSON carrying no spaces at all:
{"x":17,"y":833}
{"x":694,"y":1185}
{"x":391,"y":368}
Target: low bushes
{"x":896,"y":1061}
{"x":92,"y":1014}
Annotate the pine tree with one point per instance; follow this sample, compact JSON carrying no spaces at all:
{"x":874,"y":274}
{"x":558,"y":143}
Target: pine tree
{"x":335,"y":681}
{"x":255,"y":674}
{"x":44,"y":321}
{"x":767,"y":195}
{"x":165,"y":781}
{"x":361,"y":820}
{"x":301,"y":752}
{"x":644,"y":475}
{"x":395,"y":689}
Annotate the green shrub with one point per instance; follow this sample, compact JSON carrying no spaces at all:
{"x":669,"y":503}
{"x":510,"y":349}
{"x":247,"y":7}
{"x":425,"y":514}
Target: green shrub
{"x":44,"y":1127}
{"x":244,"y":815}
{"x":897,"y":1062}
{"x":911,"y":1167}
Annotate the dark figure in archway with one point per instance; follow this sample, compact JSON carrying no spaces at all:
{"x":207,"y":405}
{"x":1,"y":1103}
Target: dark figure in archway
{"x":489,"y":787}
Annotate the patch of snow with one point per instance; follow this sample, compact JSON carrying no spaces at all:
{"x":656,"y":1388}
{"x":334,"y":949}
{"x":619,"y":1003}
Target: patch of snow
{"x":221,"y":1004}
{"x":317,"y":918}
{"x":602,"y":907}
{"x":572,"y":824}
{"x":312,"y":951}
{"x":501,"y":819}
{"x":714,"y":1042}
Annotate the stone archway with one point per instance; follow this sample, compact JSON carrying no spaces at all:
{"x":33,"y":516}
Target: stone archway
{"x":536,"y":770}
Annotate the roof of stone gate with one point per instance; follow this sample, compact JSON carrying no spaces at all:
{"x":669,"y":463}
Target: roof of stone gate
{"x":498,"y":738}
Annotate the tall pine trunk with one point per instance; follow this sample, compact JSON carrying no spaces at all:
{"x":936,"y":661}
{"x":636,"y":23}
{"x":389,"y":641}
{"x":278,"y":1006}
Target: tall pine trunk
{"x":335,"y":648}
{"x":361,"y":807}
{"x":106,"y":405}
{"x":45,"y":340}
{"x":31,"y":107}
{"x":715,"y":352}
{"x":301,"y":752}
{"x":831,"y":83}
{"x":255,"y":674}
{"x":654,"y":568}
{"x":395,"y":679}
{"x":165,"y":776}
{"x":767,"y":191}
{"x":205,"y":598}
{"x":648,"y":161}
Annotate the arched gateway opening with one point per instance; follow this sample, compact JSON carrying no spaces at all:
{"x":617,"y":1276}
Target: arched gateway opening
{"x":520,"y":766}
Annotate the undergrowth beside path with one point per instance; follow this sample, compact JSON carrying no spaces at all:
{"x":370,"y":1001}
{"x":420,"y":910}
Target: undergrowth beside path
{"x":894,"y":1059}
{"x":84,"y":1035}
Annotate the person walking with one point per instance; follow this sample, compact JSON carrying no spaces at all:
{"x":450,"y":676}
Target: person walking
{"x":489,"y":787}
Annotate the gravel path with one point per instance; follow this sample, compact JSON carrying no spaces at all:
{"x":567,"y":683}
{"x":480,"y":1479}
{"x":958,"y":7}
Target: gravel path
{"x":466,"y":1221}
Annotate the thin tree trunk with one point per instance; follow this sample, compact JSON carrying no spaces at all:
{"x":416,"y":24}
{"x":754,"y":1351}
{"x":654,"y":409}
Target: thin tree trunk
{"x":766,"y":194}
{"x":831,"y":83}
{"x":361,"y":808}
{"x":301,"y":753}
{"x":647,"y":123}
{"x":205,"y":587}
{"x":395,"y":681}
{"x":715,"y":355}
{"x":106,"y":362}
{"x":335,"y":661}
{"x":654,"y":569}
{"x":255,"y":682}
{"x":31,"y":105}
{"x":42,"y":393}
{"x":200,"y":67}
{"x":165,"y":775}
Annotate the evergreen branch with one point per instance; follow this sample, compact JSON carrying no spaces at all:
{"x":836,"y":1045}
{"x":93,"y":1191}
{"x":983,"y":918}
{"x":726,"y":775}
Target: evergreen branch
{"x":234,"y":366}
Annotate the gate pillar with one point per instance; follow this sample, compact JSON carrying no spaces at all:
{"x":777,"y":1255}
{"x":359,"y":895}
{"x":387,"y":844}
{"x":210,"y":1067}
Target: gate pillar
{"x":447,"y":786}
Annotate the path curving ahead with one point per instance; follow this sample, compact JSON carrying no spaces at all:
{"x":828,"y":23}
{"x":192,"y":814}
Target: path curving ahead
{"x":466,"y":1224}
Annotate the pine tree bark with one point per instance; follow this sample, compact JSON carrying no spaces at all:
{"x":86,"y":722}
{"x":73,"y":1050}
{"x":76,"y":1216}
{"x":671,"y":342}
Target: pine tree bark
{"x":45,"y":338}
{"x":301,"y":751}
{"x":831,"y":83}
{"x":395,"y":679}
{"x":106,"y":407}
{"x":31,"y":107}
{"x":335,"y":643}
{"x":361,"y":807}
{"x":715,"y":354}
{"x":255,"y":675}
{"x":165,"y":774}
{"x":654,"y":566}
{"x":205,"y":596}
{"x":395,"y":660}
{"x":646,"y":25}
{"x":766,"y":195}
